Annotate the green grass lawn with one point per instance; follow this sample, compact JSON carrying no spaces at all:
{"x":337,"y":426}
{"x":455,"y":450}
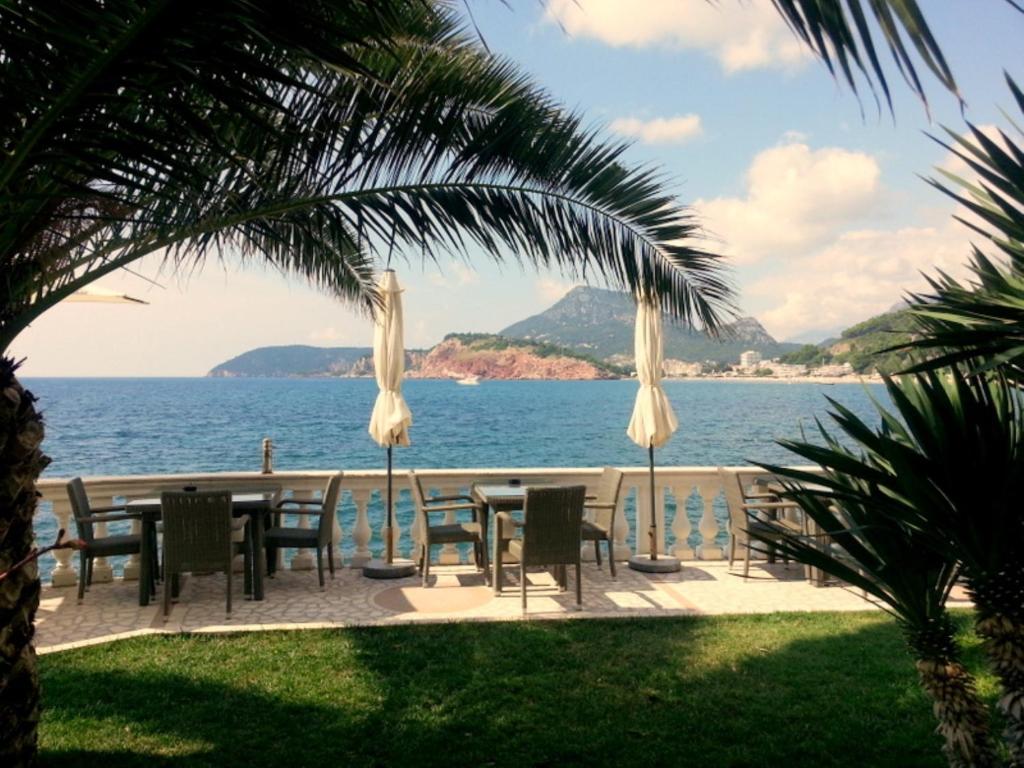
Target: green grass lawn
{"x":793,"y":689}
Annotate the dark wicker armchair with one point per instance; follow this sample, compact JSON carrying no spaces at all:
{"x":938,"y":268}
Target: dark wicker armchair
{"x":472,"y":532}
{"x":604,"y":505}
{"x":199,"y":538}
{"x":551,"y":535}
{"x":86,"y":516}
{"x":319,"y":538}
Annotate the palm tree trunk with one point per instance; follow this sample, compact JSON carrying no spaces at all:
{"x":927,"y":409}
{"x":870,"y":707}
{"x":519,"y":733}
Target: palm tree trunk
{"x":962,"y":715}
{"x":1000,"y":605}
{"x":21,"y":462}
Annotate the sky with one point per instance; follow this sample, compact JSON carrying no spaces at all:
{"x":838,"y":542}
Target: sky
{"x":814,"y":195}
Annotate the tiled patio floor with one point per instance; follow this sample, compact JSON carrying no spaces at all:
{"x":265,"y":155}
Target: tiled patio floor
{"x":458,"y":593}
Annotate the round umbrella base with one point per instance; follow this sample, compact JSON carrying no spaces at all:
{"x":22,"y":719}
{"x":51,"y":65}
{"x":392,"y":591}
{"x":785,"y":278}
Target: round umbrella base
{"x":382,"y":569}
{"x":664,"y":564}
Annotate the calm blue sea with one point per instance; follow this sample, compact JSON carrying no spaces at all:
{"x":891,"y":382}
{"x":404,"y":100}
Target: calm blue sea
{"x":142,"y":426}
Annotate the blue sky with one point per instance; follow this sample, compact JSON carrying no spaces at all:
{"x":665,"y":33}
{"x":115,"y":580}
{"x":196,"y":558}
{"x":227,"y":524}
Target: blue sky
{"x":818,"y":207}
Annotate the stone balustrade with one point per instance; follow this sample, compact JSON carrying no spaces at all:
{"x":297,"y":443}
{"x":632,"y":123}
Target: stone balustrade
{"x":692,"y":519}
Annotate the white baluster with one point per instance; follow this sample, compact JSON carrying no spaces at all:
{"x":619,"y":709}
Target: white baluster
{"x":642,"y":505}
{"x":131,"y":568}
{"x":681,"y":526}
{"x":621,"y":528}
{"x":336,"y":534}
{"x":659,"y":510}
{"x":449,"y":552}
{"x":303,"y":560}
{"x":416,"y":531}
{"x":64,"y":574}
{"x":708,"y":549}
{"x":361,"y":532}
{"x":101,"y":570}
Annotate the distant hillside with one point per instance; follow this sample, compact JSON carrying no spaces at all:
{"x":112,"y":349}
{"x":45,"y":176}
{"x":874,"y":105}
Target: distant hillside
{"x":299,"y":360}
{"x":860,"y":345}
{"x":600,"y":323}
{"x":496,"y":357}
{"x":459,"y":355}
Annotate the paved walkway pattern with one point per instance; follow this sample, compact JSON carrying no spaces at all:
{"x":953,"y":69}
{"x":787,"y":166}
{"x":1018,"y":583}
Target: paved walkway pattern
{"x":456,"y":593}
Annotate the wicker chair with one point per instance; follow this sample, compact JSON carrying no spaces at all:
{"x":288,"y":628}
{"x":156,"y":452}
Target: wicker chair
{"x":743,"y":515}
{"x":319,"y":538}
{"x":86,"y":516}
{"x":604,"y":504}
{"x":552,"y":530}
{"x":473,"y":532}
{"x":199,"y":537}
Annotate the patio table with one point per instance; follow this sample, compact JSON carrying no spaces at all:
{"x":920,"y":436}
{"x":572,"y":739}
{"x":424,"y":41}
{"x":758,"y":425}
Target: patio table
{"x":256,"y":505}
{"x":815,"y":575}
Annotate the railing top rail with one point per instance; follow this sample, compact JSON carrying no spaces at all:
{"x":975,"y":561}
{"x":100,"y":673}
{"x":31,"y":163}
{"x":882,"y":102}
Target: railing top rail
{"x":116,"y":484}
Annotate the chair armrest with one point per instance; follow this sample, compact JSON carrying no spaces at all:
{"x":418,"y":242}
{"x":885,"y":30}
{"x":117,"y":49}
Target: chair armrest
{"x":598,"y":505}
{"x":111,"y":518}
{"x":456,"y":497}
{"x":590,"y":497}
{"x":112,"y":508}
{"x":476,"y":507}
{"x":766,"y":505}
{"x":312,"y":502}
{"x":303,"y":511}
{"x":504,"y":518}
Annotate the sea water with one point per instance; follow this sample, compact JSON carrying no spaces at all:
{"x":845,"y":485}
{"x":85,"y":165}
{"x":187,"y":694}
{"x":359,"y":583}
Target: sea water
{"x":121,"y":426}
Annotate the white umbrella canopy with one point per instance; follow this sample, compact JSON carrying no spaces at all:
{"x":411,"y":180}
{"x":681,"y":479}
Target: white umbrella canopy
{"x":391,"y":417}
{"x":653,"y":421}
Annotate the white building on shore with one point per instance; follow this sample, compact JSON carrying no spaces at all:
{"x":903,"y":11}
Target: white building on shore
{"x":750,"y":359}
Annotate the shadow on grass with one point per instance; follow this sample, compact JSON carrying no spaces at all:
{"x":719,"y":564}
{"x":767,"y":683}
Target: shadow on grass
{"x":733,"y":691}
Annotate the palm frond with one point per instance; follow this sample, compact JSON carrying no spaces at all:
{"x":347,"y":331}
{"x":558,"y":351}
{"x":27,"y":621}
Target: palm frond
{"x":981,"y":322}
{"x":416,"y":136}
{"x":840,"y":34}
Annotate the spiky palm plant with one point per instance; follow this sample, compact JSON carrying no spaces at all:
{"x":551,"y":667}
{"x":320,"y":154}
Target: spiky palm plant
{"x":309,"y":135}
{"x":982,"y":321}
{"x":932,"y":491}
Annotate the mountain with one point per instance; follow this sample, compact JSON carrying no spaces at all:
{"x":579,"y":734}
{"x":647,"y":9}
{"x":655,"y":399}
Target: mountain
{"x":298,"y":360}
{"x":600,"y":323}
{"x":861,"y":345}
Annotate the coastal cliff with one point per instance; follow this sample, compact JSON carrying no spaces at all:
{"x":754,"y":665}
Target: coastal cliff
{"x":495,"y":357}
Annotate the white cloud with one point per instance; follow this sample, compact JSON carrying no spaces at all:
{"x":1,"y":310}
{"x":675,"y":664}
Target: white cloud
{"x":456,"y":274}
{"x":860,"y":274}
{"x":741,"y":35}
{"x":796,"y":199}
{"x":660,"y":130}
{"x":551,"y":290}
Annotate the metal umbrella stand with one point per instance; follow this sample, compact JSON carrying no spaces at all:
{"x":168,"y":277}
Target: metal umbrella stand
{"x":653,"y":422}
{"x":391,"y":418}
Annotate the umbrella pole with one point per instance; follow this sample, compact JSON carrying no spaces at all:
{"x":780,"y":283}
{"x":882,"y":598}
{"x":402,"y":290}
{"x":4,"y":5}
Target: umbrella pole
{"x":654,"y":521}
{"x":651,"y":563}
{"x":390,"y":543}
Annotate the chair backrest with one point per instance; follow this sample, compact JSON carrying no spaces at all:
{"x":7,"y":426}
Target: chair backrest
{"x":80,"y":508}
{"x":608,"y":489}
{"x":732,"y":484}
{"x":330,"y":510}
{"x":554,"y":517}
{"x":197,"y":530}
{"x":418,"y":497}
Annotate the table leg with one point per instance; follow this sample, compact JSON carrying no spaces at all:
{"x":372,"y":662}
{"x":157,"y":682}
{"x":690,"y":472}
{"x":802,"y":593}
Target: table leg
{"x":259,"y":558}
{"x":146,"y":556}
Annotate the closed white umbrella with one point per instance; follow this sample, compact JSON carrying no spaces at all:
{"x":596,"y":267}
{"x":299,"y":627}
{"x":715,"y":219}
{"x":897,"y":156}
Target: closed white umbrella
{"x":391,"y":417}
{"x":653,"y":421}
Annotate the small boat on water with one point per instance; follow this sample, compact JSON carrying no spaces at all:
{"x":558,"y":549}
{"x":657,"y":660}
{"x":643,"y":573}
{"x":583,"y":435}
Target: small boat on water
{"x":468,"y":381}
